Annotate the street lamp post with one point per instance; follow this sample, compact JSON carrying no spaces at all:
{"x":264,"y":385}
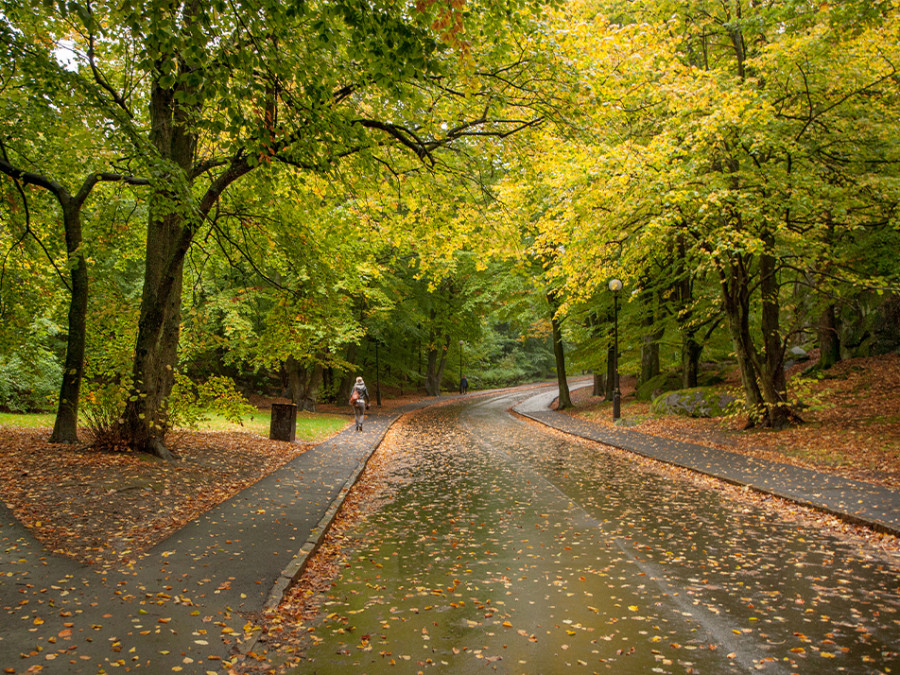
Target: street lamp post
{"x":460,"y":366}
{"x":615,"y":286}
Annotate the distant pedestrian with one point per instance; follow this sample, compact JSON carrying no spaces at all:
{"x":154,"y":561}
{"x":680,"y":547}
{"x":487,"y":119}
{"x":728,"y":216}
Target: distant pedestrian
{"x":359,"y":400}
{"x":463,"y":385}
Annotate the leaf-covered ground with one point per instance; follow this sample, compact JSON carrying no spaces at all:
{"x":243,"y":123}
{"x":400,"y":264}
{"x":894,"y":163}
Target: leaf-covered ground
{"x":851,"y":425}
{"x":107,"y":507}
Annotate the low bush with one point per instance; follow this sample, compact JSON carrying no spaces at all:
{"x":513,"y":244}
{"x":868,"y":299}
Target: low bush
{"x":29,"y":383}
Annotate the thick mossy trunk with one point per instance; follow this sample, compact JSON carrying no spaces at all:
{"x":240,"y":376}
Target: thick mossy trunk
{"x":773,"y":381}
{"x":736,"y":302}
{"x":303,"y":384}
{"x":762,"y":374}
{"x":145,"y":421}
{"x":169,"y":233}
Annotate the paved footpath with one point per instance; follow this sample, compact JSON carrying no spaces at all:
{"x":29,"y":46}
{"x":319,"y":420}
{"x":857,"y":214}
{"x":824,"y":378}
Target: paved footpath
{"x":852,"y":500}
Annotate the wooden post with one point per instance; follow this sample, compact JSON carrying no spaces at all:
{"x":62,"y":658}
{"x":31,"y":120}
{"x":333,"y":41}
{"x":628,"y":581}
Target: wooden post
{"x":284,"y":422}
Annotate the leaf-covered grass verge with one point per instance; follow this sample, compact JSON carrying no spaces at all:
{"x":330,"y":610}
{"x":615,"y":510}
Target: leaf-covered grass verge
{"x":105,"y":508}
{"x":853,"y":428}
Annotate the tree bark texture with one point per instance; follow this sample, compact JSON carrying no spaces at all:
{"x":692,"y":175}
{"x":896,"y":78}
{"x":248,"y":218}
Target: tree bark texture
{"x":650,"y":346}
{"x":735,"y":286}
{"x":690,"y":360}
{"x":303,"y":384}
{"x":565,"y":400}
{"x":65,"y":427}
{"x":169,"y":234}
{"x":773,"y":379}
{"x":762,"y":375}
{"x":829,"y":338}
{"x":437,"y":360}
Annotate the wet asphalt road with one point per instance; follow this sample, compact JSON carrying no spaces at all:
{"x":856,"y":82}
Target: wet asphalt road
{"x":507,"y":548}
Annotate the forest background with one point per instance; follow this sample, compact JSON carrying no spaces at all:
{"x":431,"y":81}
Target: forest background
{"x":202,"y":202}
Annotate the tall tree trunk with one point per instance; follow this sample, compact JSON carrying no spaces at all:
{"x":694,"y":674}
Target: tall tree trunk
{"x":303,"y":383}
{"x":145,"y":420}
{"x":762,"y":376}
{"x":650,"y":345}
{"x":169,"y":230}
{"x":773,"y":380}
{"x":437,"y":360}
{"x":565,"y":400}
{"x":690,"y":359}
{"x":65,"y":427}
{"x":736,"y":302}
{"x":174,"y":217}
{"x":829,"y":338}
{"x":690,"y":348}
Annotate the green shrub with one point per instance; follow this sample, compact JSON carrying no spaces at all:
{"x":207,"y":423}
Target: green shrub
{"x":29,"y":383}
{"x":102,"y":405}
{"x":191,"y":403}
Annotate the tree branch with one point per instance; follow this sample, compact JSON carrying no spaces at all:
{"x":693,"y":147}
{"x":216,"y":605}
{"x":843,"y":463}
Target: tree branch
{"x":104,"y":84}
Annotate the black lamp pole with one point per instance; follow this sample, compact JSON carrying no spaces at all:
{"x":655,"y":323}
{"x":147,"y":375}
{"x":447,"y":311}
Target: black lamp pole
{"x":615,"y":286}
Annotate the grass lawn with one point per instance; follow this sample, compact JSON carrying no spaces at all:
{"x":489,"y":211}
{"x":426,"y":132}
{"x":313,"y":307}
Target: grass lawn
{"x":310,"y":426}
{"x":30,"y":420}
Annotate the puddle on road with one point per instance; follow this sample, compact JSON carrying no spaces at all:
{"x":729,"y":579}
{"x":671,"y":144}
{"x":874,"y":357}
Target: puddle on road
{"x":518,"y":552}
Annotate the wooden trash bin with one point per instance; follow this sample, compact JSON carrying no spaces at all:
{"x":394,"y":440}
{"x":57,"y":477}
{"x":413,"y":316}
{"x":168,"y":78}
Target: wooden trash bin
{"x":284,"y":422}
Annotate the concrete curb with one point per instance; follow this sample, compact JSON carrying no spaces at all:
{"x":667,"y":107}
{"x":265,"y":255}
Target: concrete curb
{"x":294,"y":569}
